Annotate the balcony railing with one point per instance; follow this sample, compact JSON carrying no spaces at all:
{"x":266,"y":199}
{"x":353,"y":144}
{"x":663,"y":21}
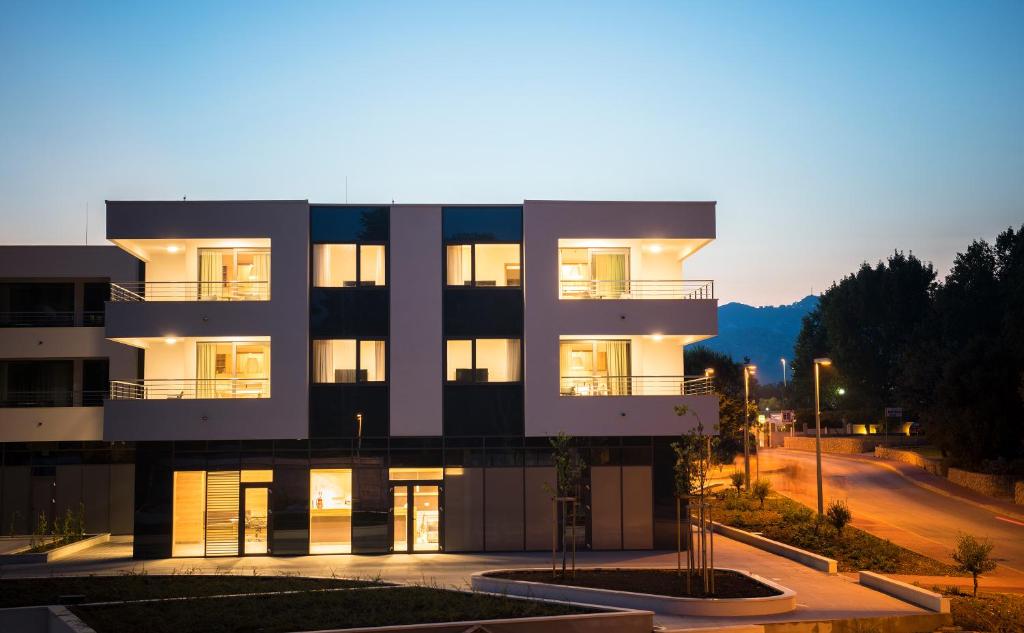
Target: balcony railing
{"x":636,"y":385}
{"x":135,"y":291}
{"x":190,"y":389}
{"x":65,"y":398}
{"x":636,"y":289}
{"x":37,"y":319}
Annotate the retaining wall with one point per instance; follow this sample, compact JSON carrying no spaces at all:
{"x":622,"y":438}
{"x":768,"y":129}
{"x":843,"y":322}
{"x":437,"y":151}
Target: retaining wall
{"x":933,"y":466}
{"x":848,"y":444}
{"x":991,"y":485}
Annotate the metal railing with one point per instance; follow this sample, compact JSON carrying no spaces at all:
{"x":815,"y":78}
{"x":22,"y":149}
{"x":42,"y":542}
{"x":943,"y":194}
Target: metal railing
{"x":190,"y":389}
{"x":59,"y":398}
{"x":135,"y":291}
{"x":37,"y":319}
{"x":636,"y":289}
{"x":636,"y":385}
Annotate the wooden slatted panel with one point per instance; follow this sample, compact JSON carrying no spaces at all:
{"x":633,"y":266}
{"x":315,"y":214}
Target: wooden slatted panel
{"x":222,"y":513}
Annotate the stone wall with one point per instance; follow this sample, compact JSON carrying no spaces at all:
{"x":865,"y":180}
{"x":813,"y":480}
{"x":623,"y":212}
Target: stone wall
{"x":991,"y":485}
{"x":848,"y":445}
{"x":933,"y":466}
{"x":1018,"y":493}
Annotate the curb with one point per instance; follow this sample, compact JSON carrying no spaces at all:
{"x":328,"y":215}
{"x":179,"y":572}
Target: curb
{"x":923,"y":598}
{"x":795,"y":554}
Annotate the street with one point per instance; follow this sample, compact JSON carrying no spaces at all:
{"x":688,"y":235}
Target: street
{"x":890,"y":506}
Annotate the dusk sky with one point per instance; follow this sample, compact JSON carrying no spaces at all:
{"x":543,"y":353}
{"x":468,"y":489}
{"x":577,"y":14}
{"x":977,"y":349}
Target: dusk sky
{"x":828,"y":134}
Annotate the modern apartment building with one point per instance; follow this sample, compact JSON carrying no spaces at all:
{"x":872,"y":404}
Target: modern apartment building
{"x":322,"y":378}
{"x":55,"y":369}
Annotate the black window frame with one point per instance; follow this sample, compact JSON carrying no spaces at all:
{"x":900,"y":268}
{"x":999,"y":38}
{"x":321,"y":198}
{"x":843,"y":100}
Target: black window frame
{"x":473,"y":368}
{"x":358,"y":340}
{"x":472,"y":266}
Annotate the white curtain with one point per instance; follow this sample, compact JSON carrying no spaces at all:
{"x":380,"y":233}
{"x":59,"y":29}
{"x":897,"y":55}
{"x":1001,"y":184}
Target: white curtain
{"x":321,"y":265}
{"x":513,"y":359}
{"x":380,"y":267}
{"x":455,"y":276}
{"x":261,"y":275}
{"x":323,"y":361}
{"x":211,"y":274}
{"x":206,"y":370}
{"x":379,"y":359}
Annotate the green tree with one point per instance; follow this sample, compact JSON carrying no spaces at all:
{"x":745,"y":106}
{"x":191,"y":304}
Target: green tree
{"x":973,"y":557}
{"x":838,"y":515}
{"x":761,"y":489}
{"x":728,"y":377}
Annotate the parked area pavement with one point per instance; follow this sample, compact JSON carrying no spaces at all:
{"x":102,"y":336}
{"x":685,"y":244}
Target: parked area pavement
{"x":819,"y":596}
{"x":905,"y":504}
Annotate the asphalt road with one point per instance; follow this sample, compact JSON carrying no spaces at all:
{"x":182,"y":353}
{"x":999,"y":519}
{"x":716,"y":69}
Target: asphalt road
{"x":892,"y":506}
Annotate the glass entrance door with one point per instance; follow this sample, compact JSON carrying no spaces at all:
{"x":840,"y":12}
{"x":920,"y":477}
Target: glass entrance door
{"x":256,"y":526}
{"x":417,"y":517}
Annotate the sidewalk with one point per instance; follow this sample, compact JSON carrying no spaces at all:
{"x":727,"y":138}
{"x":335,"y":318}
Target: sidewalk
{"x":819,"y":596}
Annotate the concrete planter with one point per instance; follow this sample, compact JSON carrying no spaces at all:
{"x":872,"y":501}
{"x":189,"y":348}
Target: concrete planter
{"x":25,"y":557}
{"x":618,"y":621}
{"x":706,"y":607}
{"x":905,"y":591}
{"x":52,"y":619}
{"x":810,"y":559}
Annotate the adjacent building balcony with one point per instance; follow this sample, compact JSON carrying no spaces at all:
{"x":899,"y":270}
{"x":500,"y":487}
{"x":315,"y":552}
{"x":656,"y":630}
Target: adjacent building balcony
{"x":139,"y":291}
{"x":624,"y":269}
{"x":190,"y":389}
{"x":636,"y":385}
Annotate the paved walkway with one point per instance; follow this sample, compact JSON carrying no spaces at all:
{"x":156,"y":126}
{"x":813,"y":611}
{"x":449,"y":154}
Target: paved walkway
{"x":819,"y":596}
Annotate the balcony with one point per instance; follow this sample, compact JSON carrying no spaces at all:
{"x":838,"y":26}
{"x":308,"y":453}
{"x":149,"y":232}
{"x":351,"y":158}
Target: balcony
{"x":636,"y":386}
{"x":135,"y":292}
{"x":61,"y":398}
{"x":636,"y":289}
{"x":190,"y":389}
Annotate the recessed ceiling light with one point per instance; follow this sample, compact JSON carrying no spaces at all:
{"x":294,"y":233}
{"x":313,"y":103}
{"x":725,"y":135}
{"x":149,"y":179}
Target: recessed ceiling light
{"x":173,"y":248}
{"x":170,"y":340}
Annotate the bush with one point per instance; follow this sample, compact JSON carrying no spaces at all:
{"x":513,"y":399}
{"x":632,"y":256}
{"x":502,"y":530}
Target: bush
{"x":761,"y":489}
{"x":737,"y":481}
{"x":838,"y":515}
{"x":973,"y":557}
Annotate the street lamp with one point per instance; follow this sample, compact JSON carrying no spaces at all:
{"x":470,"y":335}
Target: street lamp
{"x":818,"y":363}
{"x":783,"y":361}
{"x":748,"y":371}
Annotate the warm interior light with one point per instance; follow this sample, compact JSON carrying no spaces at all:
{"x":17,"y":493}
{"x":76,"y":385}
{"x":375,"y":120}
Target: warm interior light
{"x":655,"y":248}
{"x":656,"y":337}
{"x":170,"y":340}
{"x":173,"y":249}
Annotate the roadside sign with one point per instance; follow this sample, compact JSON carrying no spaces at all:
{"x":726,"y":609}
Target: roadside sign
{"x":893,"y":412}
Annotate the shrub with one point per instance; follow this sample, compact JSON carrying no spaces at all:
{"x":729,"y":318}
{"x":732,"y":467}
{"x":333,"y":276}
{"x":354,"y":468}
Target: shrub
{"x":838,"y":515}
{"x":737,"y":482}
{"x":761,"y":489}
{"x":973,"y":557}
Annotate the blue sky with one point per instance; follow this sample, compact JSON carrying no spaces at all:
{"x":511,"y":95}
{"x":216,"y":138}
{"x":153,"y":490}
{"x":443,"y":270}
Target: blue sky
{"x":829,"y":133}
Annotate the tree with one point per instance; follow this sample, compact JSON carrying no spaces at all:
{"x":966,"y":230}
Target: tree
{"x":569,"y":468}
{"x":973,"y":557}
{"x":736,"y":479}
{"x":728,"y":377}
{"x":761,"y":489}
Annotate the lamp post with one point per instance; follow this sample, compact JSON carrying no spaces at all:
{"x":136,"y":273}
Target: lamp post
{"x":783,"y":361}
{"x":748,"y":371}
{"x":818,"y":363}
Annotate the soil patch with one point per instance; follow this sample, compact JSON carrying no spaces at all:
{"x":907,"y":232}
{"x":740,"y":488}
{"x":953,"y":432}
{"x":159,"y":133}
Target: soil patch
{"x":661,"y":582}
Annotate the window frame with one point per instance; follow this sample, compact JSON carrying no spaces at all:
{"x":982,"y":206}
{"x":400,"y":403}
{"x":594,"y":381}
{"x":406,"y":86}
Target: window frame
{"x":358,"y":341}
{"x":359,"y":264}
{"x":472,"y":265}
{"x":472,"y":356}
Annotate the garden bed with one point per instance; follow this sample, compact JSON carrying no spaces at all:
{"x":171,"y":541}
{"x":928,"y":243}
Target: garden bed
{"x":55,"y":549}
{"x":659,"y":590}
{"x":786,"y":521}
{"x":316,"y":610}
{"x":992,"y":612}
{"x":664,"y":582}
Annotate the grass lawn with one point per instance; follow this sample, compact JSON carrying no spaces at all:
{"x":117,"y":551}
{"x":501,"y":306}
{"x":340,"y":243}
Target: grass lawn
{"x":787,"y":521}
{"x":990,"y":612}
{"x":663,"y":582}
{"x":315,"y":610}
{"x":36,"y":591}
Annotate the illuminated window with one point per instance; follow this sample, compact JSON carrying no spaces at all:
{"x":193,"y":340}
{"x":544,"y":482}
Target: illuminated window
{"x":483,"y":360}
{"x":330,"y":512}
{"x":349,"y":360}
{"x":189,"y":510}
{"x":415,"y":474}
{"x":483,"y":265}
{"x":347,"y":265}
{"x":230,"y":369}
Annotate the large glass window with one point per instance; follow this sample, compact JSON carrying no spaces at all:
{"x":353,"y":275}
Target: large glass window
{"x":349,"y":360}
{"x":492,"y":224}
{"x":232,"y":369}
{"x":234,"y":274}
{"x":330,"y":512}
{"x":594,"y":367}
{"x":601,"y":273}
{"x":37,"y":304}
{"x":36,"y":383}
{"x":348,"y":265}
{"x":483,"y":360}
{"x":188,"y":535}
{"x":485,"y":265}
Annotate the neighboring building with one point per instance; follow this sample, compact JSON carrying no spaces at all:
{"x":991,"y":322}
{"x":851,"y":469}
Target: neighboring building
{"x":367,"y":379}
{"x":55,"y":368}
